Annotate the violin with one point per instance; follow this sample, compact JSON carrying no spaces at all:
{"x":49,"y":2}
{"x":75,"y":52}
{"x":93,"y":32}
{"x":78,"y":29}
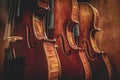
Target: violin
{"x":34,"y":56}
{"x":88,"y":17}
{"x":65,"y":18}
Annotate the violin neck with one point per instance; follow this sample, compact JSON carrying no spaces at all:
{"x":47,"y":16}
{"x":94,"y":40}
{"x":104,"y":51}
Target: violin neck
{"x":46,"y":7}
{"x":76,"y":33}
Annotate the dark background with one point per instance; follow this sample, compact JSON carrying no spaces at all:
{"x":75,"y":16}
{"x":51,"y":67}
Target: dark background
{"x":108,"y":39}
{"x":3,"y":21}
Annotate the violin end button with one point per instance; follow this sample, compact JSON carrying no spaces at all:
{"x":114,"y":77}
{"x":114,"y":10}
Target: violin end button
{"x":55,"y":46}
{"x":98,"y":29}
{"x":54,"y":39}
{"x":79,"y":49}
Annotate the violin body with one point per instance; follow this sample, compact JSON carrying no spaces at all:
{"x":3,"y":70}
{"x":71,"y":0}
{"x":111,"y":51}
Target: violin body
{"x":65,"y":17}
{"x":88,"y":22}
{"x":28,"y":40}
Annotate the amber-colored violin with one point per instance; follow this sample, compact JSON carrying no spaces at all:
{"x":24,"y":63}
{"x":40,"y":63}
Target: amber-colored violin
{"x":88,"y":22}
{"x":32,"y":56}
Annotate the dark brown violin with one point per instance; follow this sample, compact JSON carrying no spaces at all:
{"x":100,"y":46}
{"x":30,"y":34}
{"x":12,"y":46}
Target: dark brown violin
{"x":88,"y":22}
{"x":34,"y":55}
{"x":65,"y":18}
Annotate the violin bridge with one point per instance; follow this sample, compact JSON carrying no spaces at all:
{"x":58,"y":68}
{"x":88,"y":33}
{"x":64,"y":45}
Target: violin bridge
{"x":14,"y":38}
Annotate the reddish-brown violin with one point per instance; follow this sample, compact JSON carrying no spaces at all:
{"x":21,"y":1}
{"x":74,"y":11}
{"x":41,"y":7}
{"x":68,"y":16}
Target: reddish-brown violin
{"x":65,"y":18}
{"x":88,"y":22}
{"x":34,"y":55}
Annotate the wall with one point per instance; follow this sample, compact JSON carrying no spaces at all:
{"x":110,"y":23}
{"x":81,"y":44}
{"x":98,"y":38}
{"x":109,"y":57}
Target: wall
{"x":3,"y":20}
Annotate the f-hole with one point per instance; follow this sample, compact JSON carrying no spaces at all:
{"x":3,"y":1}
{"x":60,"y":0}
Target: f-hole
{"x":29,"y":44}
{"x":63,"y":45}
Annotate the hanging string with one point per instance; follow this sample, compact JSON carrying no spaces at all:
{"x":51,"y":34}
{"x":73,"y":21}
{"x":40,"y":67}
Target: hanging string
{"x":12,"y":13}
{"x":8,"y":25}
